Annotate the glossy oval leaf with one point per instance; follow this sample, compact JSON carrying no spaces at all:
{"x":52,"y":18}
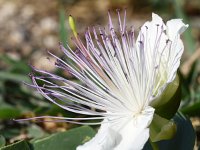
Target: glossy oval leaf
{"x":67,"y":140}
{"x":162,"y":129}
{"x":184,"y":138}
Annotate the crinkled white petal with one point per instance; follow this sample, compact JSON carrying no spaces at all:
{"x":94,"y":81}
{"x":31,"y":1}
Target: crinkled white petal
{"x":128,"y":133}
{"x":175,"y":27}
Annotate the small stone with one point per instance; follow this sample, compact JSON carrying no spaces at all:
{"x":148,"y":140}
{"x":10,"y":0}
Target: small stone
{"x":48,"y":24}
{"x":50,"y":41}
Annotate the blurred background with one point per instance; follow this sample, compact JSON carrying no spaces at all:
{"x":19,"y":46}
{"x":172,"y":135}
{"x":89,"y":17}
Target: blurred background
{"x":28,"y":28}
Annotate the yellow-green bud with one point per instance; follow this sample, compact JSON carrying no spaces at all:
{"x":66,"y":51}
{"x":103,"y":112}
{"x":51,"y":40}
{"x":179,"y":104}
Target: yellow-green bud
{"x":72,"y":25}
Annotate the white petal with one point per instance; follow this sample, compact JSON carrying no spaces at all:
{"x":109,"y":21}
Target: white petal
{"x":128,"y":133}
{"x":162,"y":49}
{"x":150,"y":49}
{"x":175,"y":27}
{"x":157,"y":19}
{"x":105,"y":139}
{"x":135,"y":133}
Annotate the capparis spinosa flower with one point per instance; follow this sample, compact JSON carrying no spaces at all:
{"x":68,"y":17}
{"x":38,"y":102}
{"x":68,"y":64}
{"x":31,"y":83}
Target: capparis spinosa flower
{"x":120,"y":75}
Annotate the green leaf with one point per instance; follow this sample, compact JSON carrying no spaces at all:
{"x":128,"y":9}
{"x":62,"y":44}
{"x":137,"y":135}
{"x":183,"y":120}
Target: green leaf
{"x":192,"y":109}
{"x":9,"y":133}
{"x":68,"y":140}
{"x":167,"y":103}
{"x":2,"y":141}
{"x":35,"y":131}
{"x":15,"y":66}
{"x":184,"y":138}
{"x":9,"y":112}
{"x":13,"y":77}
{"x":21,"y":145}
{"x":161,"y":129}
{"x":63,"y":31}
